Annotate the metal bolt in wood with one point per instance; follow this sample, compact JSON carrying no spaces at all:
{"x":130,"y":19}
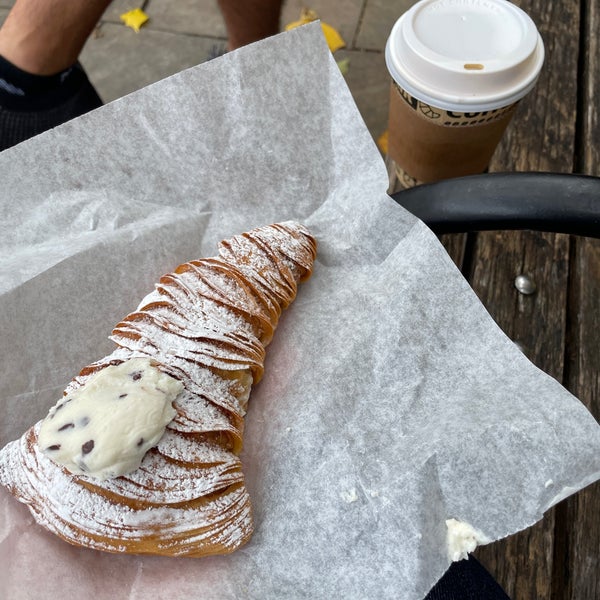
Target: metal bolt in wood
{"x":525,"y":285}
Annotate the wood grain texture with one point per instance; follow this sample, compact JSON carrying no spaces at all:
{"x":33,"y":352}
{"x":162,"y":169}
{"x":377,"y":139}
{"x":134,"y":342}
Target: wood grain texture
{"x":582,"y":535}
{"x":589,"y":150}
{"x":582,"y":511}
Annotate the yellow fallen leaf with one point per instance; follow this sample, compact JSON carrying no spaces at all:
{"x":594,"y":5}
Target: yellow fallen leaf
{"x":334,"y":39}
{"x":332,"y":36}
{"x":344,"y":65}
{"x":134,"y":18}
{"x":382,"y":142}
{"x":306,"y":16}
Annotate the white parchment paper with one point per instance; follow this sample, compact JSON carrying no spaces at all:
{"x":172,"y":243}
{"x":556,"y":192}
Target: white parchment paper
{"x":391,"y":400}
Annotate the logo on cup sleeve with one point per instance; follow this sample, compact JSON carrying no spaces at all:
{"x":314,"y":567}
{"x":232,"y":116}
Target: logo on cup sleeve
{"x":448,"y":118}
{"x":405,"y":179}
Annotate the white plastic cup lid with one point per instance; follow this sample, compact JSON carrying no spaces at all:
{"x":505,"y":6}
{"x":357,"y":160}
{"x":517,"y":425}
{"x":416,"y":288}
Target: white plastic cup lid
{"x":465,"y":55}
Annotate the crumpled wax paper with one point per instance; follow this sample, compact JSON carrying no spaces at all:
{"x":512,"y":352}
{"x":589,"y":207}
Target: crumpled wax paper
{"x":391,"y":400}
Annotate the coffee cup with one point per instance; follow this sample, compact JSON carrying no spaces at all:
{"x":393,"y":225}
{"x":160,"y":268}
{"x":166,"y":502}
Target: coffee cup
{"x":458,"y":70}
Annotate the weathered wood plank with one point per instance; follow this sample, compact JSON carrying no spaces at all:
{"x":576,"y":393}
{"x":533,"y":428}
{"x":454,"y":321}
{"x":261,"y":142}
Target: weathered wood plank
{"x":582,"y":533}
{"x":589,"y":150}
{"x":583,"y":371}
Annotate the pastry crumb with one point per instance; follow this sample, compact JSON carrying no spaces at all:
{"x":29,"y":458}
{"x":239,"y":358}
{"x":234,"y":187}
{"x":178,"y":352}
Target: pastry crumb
{"x":462,"y":539}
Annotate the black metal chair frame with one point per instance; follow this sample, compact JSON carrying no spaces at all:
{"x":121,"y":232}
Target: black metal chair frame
{"x":552,"y":202}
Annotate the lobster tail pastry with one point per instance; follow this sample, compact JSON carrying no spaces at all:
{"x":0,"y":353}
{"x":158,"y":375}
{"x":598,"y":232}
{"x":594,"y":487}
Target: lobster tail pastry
{"x":141,"y":455}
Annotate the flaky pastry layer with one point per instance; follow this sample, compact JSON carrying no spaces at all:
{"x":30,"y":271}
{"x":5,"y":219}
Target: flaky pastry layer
{"x":206,"y":324}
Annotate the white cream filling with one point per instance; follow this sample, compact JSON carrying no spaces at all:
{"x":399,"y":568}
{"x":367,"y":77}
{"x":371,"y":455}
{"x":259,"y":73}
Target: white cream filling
{"x":462,"y":538}
{"x":104,"y":428}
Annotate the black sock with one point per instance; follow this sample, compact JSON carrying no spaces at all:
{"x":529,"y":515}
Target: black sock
{"x":31,"y":104}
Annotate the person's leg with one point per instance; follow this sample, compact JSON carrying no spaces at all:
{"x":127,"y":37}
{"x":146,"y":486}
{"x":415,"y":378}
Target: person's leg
{"x":248,"y":21}
{"x":45,"y":37}
{"x":41,"y":84}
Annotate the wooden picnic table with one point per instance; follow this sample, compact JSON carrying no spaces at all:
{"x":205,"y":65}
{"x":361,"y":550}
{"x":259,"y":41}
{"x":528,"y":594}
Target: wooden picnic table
{"x":556,"y":129}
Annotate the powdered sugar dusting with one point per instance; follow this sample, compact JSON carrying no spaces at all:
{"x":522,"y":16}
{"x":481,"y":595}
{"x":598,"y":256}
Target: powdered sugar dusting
{"x":207,"y":325}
